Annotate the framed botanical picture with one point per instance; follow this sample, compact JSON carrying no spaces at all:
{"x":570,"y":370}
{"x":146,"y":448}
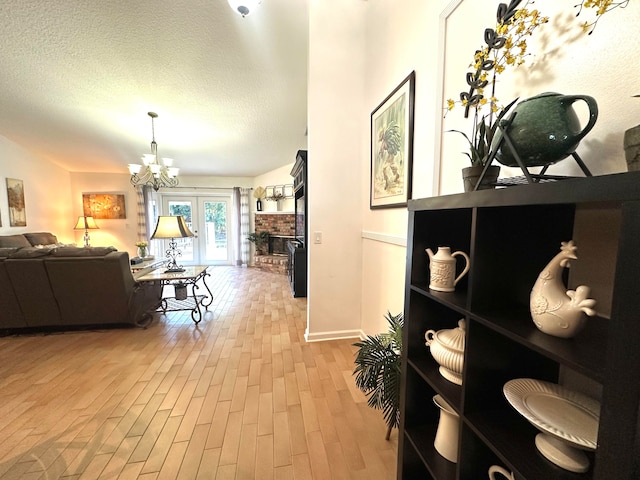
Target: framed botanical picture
{"x":15,"y":195}
{"x":392,"y":147}
{"x":105,"y":206}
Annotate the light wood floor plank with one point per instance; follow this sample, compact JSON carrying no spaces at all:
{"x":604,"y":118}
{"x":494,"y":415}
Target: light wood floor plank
{"x":239,"y":396}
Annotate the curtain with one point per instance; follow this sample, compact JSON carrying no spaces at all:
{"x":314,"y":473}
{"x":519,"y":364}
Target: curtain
{"x":241,"y":224}
{"x":150,"y":216}
{"x":142,"y":230}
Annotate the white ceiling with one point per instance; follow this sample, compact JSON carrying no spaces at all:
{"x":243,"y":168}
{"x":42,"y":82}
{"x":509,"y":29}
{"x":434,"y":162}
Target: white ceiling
{"x":77,"y":79}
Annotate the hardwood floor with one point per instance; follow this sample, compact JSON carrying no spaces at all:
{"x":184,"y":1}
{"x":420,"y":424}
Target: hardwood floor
{"x":241,"y":395}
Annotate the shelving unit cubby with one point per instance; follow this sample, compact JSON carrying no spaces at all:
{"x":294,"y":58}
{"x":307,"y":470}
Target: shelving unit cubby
{"x":511,"y":234}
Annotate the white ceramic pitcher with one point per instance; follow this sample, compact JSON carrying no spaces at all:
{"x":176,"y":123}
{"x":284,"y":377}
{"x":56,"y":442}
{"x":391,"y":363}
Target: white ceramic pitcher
{"x":446,"y":442}
{"x":442,"y":266}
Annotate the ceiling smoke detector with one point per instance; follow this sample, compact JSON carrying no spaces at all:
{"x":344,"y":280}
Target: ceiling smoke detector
{"x":244,"y":7}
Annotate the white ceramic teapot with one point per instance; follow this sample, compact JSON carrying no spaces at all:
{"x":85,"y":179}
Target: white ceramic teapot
{"x":447,"y":348}
{"x":442,"y":266}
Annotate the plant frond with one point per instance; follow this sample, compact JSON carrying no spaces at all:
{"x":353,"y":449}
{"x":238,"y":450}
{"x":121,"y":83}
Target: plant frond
{"x":378,"y":369}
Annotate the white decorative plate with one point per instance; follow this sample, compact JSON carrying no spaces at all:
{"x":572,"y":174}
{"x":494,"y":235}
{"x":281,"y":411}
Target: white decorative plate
{"x":560,"y":412}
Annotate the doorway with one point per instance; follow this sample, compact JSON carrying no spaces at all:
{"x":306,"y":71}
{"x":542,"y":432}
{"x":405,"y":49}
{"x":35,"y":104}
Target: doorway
{"x":208,"y":217}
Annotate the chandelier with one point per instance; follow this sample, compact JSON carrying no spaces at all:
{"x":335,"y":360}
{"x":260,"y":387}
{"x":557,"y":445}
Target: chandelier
{"x":244,"y":7}
{"x":153,"y":173}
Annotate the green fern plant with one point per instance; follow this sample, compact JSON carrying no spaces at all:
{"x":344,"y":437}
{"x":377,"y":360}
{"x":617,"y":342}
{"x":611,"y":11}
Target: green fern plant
{"x":378,"y":370}
{"x":259,"y":239}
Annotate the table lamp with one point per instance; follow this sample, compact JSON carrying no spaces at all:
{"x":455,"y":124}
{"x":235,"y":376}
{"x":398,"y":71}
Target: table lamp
{"x":172,"y":227}
{"x":86,"y":224}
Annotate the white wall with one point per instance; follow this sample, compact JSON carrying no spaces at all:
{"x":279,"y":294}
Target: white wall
{"x":604,"y":65}
{"x":400,"y":38}
{"x":378,"y":44}
{"x":335,"y":106}
{"x":46,"y":191}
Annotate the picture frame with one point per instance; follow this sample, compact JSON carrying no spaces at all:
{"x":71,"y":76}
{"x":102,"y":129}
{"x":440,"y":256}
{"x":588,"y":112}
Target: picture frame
{"x":15,"y":198}
{"x":392,"y":147}
{"x":104,"y":206}
{"x":269,"y":192}
{"x":288,"y":191}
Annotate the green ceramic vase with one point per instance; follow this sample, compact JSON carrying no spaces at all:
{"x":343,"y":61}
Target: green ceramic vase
{"x":544,"y":129}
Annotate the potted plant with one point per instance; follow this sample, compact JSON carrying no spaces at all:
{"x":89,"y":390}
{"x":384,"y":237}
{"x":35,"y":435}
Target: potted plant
{"x":259,"y":240}
{"x":378,"y":370}
{"x":480,"y":151}
{"x":506,"y":45}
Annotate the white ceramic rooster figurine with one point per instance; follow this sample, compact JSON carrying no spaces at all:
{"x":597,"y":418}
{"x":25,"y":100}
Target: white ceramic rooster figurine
{"x":554,"y":309}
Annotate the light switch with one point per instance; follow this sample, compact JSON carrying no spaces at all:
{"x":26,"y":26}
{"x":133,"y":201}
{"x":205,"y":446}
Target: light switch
{"x":317,"y":237}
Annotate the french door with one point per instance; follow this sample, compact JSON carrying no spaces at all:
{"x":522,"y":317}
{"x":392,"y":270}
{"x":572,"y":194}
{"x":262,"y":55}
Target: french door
{"x":208,"y":217}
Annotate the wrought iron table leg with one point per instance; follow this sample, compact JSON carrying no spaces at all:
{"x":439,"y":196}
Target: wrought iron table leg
{"x":204,"y":282}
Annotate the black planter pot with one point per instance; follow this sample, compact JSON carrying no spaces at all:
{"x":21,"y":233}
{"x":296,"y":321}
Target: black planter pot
{"x":471,"y":175}
{"x":259,"y":205}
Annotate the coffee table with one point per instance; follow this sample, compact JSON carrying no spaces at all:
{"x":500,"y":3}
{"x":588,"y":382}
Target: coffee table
{"x":181,"y":281}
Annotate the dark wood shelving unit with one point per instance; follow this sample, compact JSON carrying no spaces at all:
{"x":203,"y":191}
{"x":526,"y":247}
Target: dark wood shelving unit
{"x":297,"y":248}
{"x":511,"y":234}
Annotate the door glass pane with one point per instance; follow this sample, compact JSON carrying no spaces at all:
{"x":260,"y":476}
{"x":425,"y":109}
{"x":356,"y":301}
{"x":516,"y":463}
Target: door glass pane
{"x":185,"y":245}
{"x":215,"y":220}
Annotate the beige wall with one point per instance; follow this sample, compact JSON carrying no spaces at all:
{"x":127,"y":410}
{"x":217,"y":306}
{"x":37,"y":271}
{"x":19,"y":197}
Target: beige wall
{"x":399,"y":40}
{"x":359,"y":52}
{"x":121,"y":234}
{"x":46,"y":188}
{"x":604,"y":65}
{"x":336,"y":122}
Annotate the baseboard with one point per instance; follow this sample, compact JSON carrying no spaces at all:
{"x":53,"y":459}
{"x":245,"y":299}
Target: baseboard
{"x":338,"y":335}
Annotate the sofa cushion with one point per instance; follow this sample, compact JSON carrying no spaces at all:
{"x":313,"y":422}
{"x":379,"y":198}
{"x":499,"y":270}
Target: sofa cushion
{"x":41,"y":238}
{"x":14,"y":241}
{"x":31,"y":252}
{"x":82,"y":251}
{"x":6,"y":252}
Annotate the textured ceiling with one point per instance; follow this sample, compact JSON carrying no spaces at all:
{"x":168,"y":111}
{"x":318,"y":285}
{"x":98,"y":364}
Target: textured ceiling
{"x":78,"y":78}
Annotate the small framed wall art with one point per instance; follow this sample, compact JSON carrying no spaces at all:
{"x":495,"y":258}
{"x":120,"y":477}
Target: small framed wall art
{"x":104,"y":206}
{"x":392,"y":147}
{"x":15,"y":196}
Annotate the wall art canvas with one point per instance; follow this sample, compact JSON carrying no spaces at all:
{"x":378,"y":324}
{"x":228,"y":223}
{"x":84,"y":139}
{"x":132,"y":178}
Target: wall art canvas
{"x":17,"y":210}
{"x":392,"y":147}
{"x":104,"y":206}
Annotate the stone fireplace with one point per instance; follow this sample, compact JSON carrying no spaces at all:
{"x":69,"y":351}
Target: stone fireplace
{"x":281,"y":228}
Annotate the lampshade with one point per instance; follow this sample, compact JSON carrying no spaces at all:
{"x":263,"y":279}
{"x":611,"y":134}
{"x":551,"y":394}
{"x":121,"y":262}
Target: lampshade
{"x":86,"y":223}
{"x":244,"y":7}
{"x":171,"y":227}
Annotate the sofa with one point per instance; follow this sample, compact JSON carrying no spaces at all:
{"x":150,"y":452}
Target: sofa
{"x":45,"y":284}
